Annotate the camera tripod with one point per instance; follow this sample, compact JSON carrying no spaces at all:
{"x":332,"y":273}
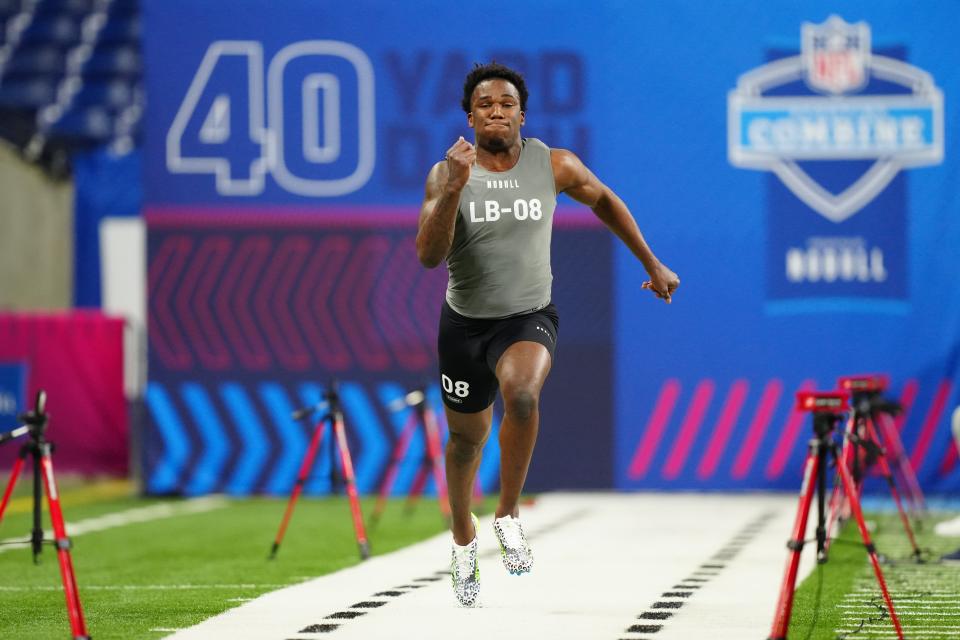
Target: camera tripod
{"x":334,"y":416}
{"x":423,"y":416}
{"x":870,"y":439}
{"x":41,"y":450}
{"x":827,"y":408}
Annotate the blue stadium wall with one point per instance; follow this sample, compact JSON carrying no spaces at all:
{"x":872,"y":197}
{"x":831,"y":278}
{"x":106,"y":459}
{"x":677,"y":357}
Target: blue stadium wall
{"x":285,"y":153}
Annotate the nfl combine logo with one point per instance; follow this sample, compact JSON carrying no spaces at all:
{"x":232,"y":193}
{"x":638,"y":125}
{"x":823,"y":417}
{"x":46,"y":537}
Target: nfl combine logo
{"x":835,"y":126}
{"x":836,"y":55}
{"x":776,"y":132}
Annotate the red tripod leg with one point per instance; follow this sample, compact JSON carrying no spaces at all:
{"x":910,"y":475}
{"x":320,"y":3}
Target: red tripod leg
{"x":436,"y":460}
{"x":14,"y":474}
{"x":871,"y":550}
{"x":74,"y":610}
{"x":417,"y":487}
{"x":893,"y":444}
{"x":351,"y":485}
{"x":885,"y":471}
{"x":305,"y":467}
{"x":399,"y":453}
{"x":781,"y":618}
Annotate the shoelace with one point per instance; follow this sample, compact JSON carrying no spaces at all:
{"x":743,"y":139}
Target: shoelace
{"x":512,"y":533}
{"x":464,"y":561}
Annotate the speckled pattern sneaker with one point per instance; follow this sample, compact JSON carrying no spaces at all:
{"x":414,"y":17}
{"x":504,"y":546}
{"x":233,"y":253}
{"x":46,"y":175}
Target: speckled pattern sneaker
{"x":465,"y":571}
{"x":517,"y":557}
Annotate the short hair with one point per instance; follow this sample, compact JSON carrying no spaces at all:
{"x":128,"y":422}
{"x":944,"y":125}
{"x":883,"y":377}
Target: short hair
{"x":483,"y":72}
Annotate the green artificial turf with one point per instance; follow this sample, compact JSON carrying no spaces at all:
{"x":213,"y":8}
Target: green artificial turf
{"x":146,"y":579}
{"x":828,"y":592}
{"x":177,"y":571}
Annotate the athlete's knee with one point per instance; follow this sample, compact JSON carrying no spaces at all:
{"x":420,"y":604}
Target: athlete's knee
{"x":464,"y":449}
{"x":520,"y":402}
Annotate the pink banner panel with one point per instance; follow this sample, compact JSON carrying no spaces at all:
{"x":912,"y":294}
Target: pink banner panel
{"x":77,"y":358}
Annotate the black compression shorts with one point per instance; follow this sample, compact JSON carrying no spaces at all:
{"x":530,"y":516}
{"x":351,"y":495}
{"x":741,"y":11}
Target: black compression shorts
{"x":470,"y":348}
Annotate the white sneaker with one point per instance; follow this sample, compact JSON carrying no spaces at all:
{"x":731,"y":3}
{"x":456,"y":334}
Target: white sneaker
{"x":948,"y":528}
{"x":465,"y":570}
{"x":517,"y":557}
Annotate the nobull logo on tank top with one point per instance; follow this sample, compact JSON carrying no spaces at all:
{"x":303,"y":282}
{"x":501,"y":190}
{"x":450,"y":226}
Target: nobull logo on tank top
{"x":834,"y":125}
{"x":503,"y":184}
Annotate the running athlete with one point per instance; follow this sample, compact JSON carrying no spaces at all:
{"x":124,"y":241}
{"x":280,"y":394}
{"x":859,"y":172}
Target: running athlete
{"x":488,"y":211}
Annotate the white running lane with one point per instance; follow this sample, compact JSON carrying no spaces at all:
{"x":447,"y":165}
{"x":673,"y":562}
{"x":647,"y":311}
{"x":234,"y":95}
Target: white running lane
{"x":606,"y":566}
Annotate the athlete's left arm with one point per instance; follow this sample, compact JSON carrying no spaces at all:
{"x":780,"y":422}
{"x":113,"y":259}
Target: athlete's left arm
{"x":577,"y":181}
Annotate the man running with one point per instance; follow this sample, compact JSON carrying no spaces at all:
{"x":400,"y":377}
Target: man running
{"x":488,"y":211}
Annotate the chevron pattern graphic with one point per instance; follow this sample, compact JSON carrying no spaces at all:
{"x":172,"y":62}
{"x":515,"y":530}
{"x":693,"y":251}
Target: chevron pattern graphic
{"x":257,"y":302}
{"x":239,"y":439}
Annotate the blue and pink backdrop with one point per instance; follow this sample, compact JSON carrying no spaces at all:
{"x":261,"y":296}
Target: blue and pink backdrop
{"x":794,"y":163}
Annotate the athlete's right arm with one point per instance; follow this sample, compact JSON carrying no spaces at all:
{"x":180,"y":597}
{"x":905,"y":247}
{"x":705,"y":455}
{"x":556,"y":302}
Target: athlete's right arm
{"x":438,"y":214}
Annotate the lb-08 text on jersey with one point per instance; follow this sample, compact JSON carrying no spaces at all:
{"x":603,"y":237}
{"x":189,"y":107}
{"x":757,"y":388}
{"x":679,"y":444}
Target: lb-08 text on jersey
{"x":521,"y":210}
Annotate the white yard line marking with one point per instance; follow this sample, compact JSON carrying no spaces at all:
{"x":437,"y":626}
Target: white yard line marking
{"x":906,"y":604}
{"x":129,"y":516}
{"x":887,"y":625}
{"x":914,"y":593}
{"x":149,"y":587}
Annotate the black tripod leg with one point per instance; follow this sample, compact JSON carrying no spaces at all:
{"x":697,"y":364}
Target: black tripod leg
{"x":36,"y":534}
{"x":821,"y":502}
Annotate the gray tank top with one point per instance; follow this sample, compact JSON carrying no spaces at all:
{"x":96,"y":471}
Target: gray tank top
{"x":499,"y":262}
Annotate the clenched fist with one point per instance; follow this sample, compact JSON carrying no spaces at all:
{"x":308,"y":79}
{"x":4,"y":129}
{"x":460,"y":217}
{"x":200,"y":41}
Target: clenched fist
{"x":460,"y":158}
{"x":663,"y":282}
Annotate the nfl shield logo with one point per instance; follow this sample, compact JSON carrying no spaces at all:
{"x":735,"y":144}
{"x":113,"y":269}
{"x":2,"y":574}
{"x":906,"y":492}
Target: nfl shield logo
{"x":836,"y":55}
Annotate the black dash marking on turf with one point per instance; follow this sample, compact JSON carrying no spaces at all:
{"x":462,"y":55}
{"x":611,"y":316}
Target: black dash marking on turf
{"x":705,"y":572}
{"x":645,"y":628}
{"x":357,"y":609}
{"x":320,"y":628}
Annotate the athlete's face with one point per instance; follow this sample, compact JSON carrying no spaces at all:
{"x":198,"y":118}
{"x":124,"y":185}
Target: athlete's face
{"x":496,"y":116}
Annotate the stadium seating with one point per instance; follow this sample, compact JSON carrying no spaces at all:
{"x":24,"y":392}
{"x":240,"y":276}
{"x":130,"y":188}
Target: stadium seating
{"x":70,"y":72}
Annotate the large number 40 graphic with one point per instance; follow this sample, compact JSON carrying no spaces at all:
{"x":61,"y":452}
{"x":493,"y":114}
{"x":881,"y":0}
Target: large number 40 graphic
{"x":221,"y":128}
